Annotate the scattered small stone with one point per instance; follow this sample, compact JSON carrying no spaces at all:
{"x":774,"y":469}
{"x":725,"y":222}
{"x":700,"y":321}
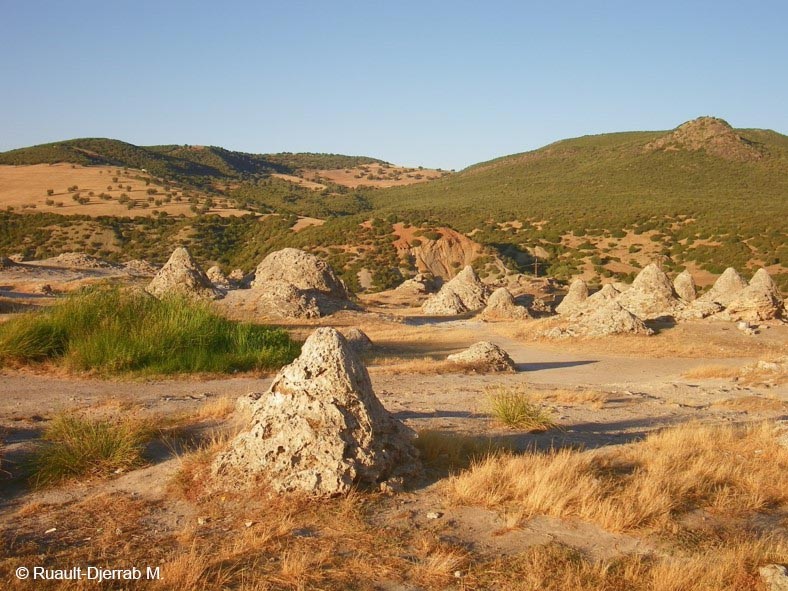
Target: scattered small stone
{"x":203,"y":520}
{"x":50,"y":530}
{"x":434,"y":515}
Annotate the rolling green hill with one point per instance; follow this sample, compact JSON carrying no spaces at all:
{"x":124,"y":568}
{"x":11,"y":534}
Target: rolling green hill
{"x":196,"y":165}
{"x":704,"y":192}
{"x":704,"y":195}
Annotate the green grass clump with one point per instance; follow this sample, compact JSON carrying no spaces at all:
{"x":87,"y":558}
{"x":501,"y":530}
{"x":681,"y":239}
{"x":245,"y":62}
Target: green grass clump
{"x":76,"y":447}
{"x":111,"y":331}
{"x":515,"y":410}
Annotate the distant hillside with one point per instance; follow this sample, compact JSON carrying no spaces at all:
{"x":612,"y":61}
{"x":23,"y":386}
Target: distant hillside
{"x":194,"y":164}
{"x":704,"y":192}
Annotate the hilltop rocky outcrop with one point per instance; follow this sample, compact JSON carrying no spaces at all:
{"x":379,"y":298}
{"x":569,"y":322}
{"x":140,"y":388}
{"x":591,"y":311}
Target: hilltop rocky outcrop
{"x":320,"y":429}
{"x":710,"y":134}
{"x":182,"y":275}
{"x":464,"y":293}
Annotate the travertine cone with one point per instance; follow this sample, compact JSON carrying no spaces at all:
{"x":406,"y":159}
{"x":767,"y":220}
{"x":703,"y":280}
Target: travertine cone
{"x":760,"y":300}
{"x":727,"y":287}
{"x":485,"y":356}
{"x":301,"y":269}
{"x":651,"y":294}
{"x":684,"y":286}
{"x":577,"y":294}
{"x":609,"y":319}
{"x":182,"y":275}
{"x":320,"y":428}
{"x":464,"y":293}
{"x":501,"y":306}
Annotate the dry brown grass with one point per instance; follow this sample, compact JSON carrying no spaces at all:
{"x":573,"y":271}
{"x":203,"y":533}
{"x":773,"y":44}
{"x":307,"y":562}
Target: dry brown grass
{"x":591,"y":397}
{"x":216,"y":408}
{"x":723,"y":469}
{"x":731,"y":565}
{"x":754,"y":404}
{"x":710,"y":372}
{"x":447,"y":452}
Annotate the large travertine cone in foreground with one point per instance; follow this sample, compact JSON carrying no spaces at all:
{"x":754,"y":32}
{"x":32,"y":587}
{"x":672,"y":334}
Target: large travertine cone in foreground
{"x":608,"y":319}
{"x":320,"y":428}
{"x":218,"y":278}
{"x":181,"y":275}
{"x":651,"y":294}
{"x":501,"y":306}
{"x":760,"y":300}
{"x":727,"y":287}
{"x":464,"y":293}
{"x":577,"y":294}
{"x":483,"y":356}
{"x":684,"y":286}
{"x":304,"y":270}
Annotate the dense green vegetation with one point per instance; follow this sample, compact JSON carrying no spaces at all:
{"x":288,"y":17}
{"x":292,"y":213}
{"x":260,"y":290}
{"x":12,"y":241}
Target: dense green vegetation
{"x":112,"y":331}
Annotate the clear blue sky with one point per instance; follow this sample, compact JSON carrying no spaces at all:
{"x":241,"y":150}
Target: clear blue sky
{"x":436,"y":83}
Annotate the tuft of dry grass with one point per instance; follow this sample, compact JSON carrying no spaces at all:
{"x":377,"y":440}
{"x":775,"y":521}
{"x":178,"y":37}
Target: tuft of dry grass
{"x":437,"y":562}
{"x":754,"y":403}
{"x":448,"y":452}
{"x":513,"y":408}
{"x":79,"y":447}
{"x":593,"y":398}
{"x":216,"y":408}
{"x":724,"y":469}
{"x":710,"y":372}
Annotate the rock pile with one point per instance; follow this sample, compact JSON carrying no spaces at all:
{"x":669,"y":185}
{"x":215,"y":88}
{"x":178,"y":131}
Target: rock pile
{"x":140,"y":267}
{"x":182,"y":275}
{"x":218,"y":278}
{"x":608,"y":293}
{"x":760,"y":300}
{"x":483,"y":356}
{"x":419,"y":284}
{"x":464,"y":293}
{"x":572,"y":302}
{"x":608,"y":319}
{"x":320,"y":428}
{"x":651,"y":294}
{"x":294,"y":284}
{"x":501,"y":306}
{"x":78,"y":260}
